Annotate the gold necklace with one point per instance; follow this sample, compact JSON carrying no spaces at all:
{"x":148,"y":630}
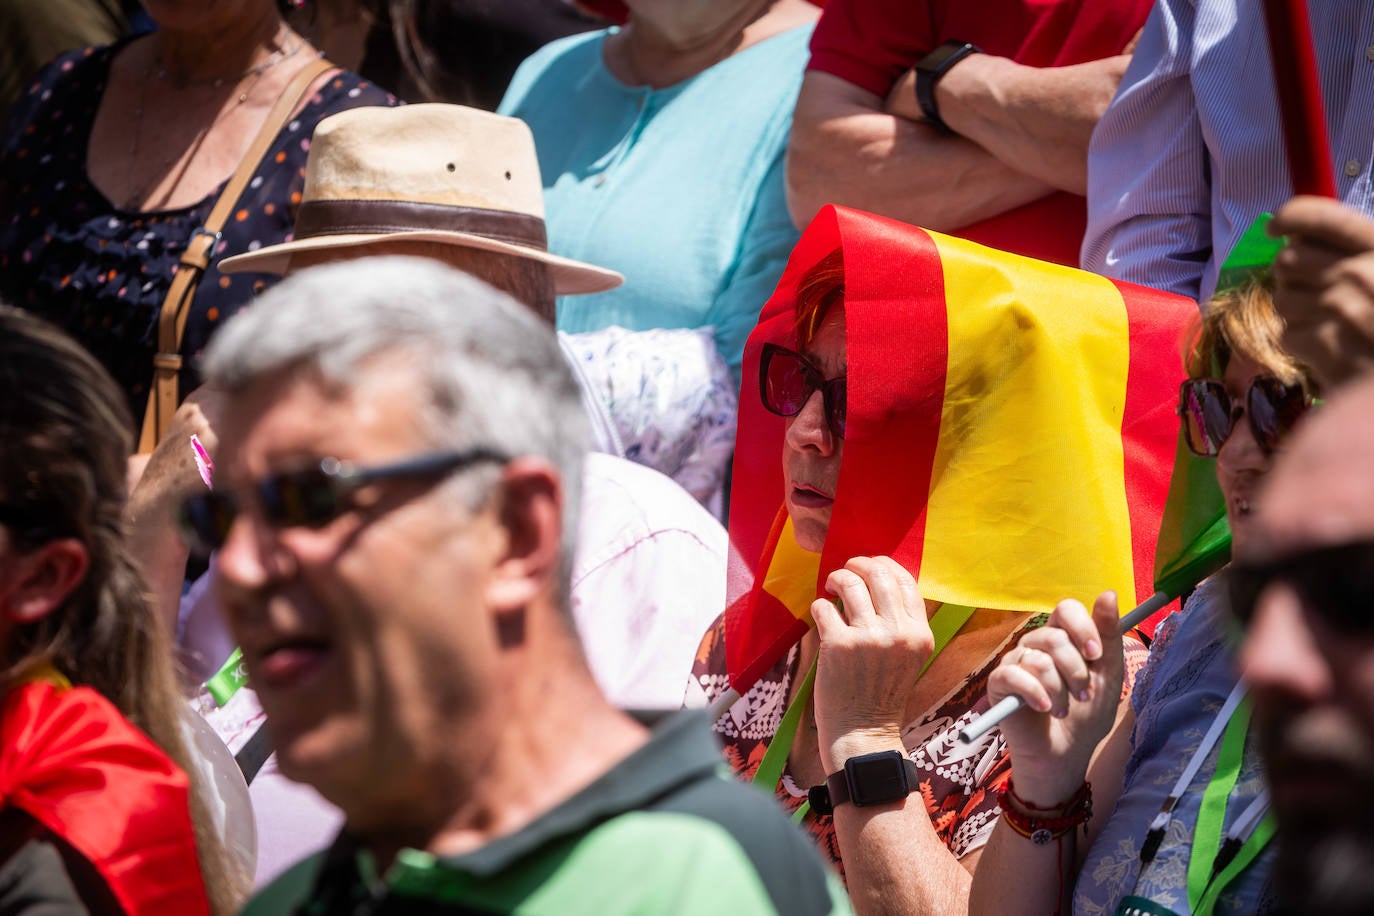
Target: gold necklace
{"x":254,"y":74}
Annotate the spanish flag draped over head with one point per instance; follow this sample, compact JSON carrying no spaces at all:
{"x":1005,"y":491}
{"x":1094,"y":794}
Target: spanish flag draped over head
{"x":1010,"y":432}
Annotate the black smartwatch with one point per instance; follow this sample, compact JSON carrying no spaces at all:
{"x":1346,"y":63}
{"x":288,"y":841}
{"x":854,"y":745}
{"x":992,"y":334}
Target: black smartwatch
{"x":869,"y":779}
{"x":929,"y":71}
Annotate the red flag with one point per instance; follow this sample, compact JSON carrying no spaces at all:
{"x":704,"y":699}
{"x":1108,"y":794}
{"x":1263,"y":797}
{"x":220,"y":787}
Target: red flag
{"x":75,"y":765}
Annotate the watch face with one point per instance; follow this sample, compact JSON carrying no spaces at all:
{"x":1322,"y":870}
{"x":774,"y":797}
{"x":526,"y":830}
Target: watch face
{"x":877,"y":779}
{"x":935,"y":61}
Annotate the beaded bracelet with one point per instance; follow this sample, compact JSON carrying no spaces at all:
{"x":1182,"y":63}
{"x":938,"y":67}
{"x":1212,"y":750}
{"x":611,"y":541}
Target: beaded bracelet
{"x":1044,"y":830}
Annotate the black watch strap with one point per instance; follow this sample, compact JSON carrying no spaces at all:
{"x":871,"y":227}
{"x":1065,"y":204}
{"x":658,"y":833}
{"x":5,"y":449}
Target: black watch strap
{"x":869,"y":779}
{"x":931,"y":69}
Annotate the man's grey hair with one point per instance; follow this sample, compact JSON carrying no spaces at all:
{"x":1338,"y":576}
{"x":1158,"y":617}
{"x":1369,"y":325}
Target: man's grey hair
{"x":493,"y":373}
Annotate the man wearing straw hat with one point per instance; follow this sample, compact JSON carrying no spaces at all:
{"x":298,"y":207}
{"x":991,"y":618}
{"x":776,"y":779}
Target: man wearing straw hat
{"x":462,"y":187}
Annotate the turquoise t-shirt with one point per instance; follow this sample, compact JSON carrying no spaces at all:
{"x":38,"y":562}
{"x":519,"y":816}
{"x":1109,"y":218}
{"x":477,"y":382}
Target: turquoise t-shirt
{"x":680,"y":189}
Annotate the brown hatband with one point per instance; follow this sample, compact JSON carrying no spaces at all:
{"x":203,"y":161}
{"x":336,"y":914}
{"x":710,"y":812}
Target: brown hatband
{"x":366,"y":217}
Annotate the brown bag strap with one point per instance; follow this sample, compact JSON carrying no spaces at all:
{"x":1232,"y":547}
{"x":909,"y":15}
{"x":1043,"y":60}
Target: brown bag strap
{"x":171,"y":319}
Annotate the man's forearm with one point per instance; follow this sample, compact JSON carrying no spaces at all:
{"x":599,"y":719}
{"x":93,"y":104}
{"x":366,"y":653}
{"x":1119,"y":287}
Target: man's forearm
{"x":1036,"y":120}
{"x":845,"y":149}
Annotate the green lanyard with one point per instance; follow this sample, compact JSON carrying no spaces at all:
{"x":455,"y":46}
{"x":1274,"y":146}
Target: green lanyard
{"x":946,"y":622}
{"x":1209,"y":870}
{"x":228,"y":679}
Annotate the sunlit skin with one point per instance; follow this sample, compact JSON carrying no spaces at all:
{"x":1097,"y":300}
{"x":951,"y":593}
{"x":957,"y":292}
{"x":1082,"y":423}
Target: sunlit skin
{"x":1241,"y":463}
{"x":353,"y":634}
{"x":1313,"y":684}
{"x":810,"y":452}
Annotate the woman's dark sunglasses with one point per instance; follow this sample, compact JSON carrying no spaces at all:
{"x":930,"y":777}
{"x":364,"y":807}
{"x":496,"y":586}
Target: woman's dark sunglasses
{"x":1334,"y":583}
{"x":1209,"y":415}
{"x":787,"y":380}
{"x":312,"y":497}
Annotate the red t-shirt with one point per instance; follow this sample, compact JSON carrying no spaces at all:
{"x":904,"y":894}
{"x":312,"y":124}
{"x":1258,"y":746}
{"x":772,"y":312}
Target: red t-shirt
{"x":871,"y":43}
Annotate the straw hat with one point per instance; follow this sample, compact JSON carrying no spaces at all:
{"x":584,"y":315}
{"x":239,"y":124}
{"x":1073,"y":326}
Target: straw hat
{"x":431,"y":173}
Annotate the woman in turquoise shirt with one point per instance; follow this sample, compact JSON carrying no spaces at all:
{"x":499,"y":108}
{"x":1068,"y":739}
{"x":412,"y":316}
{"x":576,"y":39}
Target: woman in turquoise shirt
{"x":661,"y":144}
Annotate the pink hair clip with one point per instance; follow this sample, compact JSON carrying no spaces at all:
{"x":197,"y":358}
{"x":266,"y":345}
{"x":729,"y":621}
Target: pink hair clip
{"x":203,"y":462}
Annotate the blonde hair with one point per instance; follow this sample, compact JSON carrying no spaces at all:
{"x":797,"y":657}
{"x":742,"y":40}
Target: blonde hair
{"x":1242,"y":321}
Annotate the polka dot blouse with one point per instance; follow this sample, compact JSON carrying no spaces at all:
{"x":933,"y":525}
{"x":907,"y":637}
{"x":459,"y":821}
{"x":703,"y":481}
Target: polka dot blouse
{"x":69,"y":254}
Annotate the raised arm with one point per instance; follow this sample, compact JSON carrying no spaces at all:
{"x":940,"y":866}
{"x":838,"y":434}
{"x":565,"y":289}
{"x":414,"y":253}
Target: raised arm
{"x":1074,"y":727}
{"x":846,"y":148}
{"x":150,"y":517}
{"x":871,"y":653}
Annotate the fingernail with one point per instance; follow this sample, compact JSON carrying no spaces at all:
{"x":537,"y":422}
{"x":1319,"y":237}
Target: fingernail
{"x":1082,"y":695}
{"x":1060,"y":713}
{"x":1094,"y":649}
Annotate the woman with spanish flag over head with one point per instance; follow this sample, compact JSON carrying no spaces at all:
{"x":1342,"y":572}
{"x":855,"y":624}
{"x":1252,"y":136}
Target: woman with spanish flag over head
{"x":965,"y":437}
{"x":97,"y":814}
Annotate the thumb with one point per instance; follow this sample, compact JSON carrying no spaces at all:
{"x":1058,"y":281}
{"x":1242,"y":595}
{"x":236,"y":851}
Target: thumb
{"x":1107,"y":618}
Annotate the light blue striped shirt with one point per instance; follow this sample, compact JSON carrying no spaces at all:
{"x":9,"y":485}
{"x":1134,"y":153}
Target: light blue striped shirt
{"x":1191,"y":150}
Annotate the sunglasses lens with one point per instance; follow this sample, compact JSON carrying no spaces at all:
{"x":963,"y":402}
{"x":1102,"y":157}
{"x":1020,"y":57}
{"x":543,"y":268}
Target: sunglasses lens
{"x":1206,"y":411}
{"x":783,"y":382}
{"x":305,"y":498}
{"x":1336,"y":584}
{"x":205,"y":521}
{"x":1274,"y":409}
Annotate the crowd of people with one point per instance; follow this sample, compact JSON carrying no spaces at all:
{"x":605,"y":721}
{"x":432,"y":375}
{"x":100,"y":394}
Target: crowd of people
{"x":432,"y":477}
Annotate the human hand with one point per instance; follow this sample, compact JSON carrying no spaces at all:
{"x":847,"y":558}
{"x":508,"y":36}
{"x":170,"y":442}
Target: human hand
{"x":171,"y":470}
{"x":870,"y":656}
{"x":1324,"y":287}
{"x":1069,"y":672}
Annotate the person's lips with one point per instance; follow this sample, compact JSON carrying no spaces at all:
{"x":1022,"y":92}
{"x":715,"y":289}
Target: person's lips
{"x":292,"y":662}
{"x":808,"y":497}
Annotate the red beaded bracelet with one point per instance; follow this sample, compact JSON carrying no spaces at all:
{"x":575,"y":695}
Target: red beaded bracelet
{"x":1043,"y":830}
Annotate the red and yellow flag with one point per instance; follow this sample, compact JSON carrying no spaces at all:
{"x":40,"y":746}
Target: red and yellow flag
{"x":1010,"y":432}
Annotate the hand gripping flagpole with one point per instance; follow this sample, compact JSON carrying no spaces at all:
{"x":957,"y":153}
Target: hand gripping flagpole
{"x":1008,"y":705}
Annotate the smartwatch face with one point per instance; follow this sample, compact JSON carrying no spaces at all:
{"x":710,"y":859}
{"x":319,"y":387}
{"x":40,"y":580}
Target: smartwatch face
{"x":935,"y":61}
{"x":878,"y":780}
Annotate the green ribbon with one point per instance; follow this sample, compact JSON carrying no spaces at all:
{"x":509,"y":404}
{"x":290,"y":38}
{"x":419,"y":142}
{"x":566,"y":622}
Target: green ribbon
{"x":1205,"y":886}
{"x":228,"y":679}
{"x":944,"y":625}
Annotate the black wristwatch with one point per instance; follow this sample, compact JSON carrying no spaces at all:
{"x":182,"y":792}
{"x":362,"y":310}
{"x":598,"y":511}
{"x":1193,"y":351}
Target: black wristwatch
{"x":929,"y":71}
{"x":869,"y":779}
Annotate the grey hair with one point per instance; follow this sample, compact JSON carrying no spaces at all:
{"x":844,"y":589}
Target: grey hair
{"x":493,"y":371}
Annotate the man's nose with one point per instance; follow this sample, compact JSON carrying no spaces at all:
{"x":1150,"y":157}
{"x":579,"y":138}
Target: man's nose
{"x":1280,"y":653}
{"x":250,"y":557}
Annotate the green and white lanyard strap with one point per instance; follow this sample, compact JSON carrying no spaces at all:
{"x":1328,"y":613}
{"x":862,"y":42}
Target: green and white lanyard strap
{"x":227,"y":681}
{"x":1247,"y":836}
{"x":1160,"y":824}
{"x":947,"y":621}
{"x":1215,"y":861}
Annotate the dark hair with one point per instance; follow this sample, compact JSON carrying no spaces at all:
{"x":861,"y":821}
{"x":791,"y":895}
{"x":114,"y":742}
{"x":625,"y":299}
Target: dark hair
{"x":65,"y":441}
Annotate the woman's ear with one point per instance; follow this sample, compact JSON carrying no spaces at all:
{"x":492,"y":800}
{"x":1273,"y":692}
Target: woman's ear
{"x":43,"y":579}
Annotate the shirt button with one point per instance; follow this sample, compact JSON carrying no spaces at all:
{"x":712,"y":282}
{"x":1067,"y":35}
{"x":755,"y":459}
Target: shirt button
{"x":1369,"y":53}
{"x":1352,"y":168}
